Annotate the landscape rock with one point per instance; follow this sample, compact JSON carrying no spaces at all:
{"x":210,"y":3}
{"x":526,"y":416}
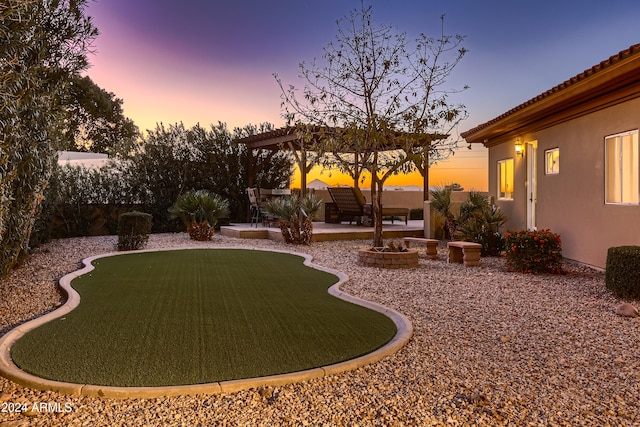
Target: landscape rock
{"x":552,"y":369}
{"x":14,"y":423}
{"x":627,"y":310}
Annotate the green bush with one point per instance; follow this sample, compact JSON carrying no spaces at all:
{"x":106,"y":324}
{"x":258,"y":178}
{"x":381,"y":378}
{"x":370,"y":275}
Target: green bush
{"x":44,"y":44}
{"x":534,"y":251}
{"x":479,"y":221}
{"x":173,"y":160}
{"x":82,"y":201}
{"x":133,"y":230}
{"x":168,"y":163}
{"x":622,"y":275}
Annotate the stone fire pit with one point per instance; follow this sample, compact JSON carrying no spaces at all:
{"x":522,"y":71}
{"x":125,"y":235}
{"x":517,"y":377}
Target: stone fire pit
{"x":376,"y":257}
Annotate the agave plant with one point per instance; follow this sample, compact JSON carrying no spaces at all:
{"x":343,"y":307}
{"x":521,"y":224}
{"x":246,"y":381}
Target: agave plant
{"x":200,"y":211}
{"x":296,"y":216}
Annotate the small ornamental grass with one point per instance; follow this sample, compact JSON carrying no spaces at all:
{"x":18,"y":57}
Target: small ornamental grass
{"x":534,"y":252}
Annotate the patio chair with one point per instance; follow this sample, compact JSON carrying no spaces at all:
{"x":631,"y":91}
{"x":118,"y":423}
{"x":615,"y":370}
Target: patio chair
{"x":256,"y":198}
{"x":350,"y":203}
{"x":254,"y":203}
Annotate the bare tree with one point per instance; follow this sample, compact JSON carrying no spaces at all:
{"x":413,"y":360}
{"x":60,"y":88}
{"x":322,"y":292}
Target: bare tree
{"x":377,"y":102}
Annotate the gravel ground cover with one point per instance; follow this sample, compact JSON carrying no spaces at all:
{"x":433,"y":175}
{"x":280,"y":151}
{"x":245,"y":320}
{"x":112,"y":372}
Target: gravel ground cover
{"x":489,"y":348}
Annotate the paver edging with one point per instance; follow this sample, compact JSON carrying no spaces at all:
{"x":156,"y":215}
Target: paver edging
{"x":9,"y":370}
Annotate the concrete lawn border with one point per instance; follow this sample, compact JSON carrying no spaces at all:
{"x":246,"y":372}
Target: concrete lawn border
{"x":10,"y":371}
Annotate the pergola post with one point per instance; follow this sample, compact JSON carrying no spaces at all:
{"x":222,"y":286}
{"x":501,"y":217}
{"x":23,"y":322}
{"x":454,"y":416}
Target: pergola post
{"x":426,"y":205}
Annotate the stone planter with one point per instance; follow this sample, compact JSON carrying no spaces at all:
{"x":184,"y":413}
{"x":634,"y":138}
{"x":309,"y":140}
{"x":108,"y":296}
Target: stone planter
{"x":373,"y":257}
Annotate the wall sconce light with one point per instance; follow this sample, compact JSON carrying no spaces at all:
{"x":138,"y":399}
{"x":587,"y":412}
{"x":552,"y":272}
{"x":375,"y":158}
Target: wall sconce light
{"x":519,"y":147}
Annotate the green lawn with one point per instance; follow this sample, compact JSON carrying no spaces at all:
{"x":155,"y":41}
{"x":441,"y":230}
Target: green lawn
{"x":199,"y":316}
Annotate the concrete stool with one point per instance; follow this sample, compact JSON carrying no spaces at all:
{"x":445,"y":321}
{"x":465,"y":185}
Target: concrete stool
{"x":466,"y":253}
{"x":431,"y":244}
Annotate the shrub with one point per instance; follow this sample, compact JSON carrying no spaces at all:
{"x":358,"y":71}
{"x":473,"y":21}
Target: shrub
{"x":200,"y":211}
{"x":133,"y":230}
{"x":479,"y":221}
{"x":622,"y":275}
{"x":534,"y":251}
{"x":173,"y":160}
{"x":43,"y":45}
{"x":82,"y":201}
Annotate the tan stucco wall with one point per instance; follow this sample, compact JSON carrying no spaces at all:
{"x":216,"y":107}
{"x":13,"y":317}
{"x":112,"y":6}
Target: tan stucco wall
{"x":571,"y":203}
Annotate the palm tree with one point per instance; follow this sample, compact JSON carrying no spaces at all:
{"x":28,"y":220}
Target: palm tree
{"x":477,"y":202}
{"x":200,"y":211}
{"x":296,"y":216}
{"x":441,"y":203}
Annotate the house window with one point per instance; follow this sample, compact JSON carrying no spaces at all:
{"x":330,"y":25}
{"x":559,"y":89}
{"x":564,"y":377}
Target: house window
{"x":505,"y":179}
{"x":552,"y":161}
{"x":621,"y":168}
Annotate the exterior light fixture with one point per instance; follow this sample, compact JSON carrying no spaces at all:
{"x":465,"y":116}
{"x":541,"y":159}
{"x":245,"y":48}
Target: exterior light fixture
{"x":519,"y":147}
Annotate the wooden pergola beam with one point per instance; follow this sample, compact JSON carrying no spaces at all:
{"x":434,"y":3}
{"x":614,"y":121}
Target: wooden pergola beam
{"x":287,"y":138}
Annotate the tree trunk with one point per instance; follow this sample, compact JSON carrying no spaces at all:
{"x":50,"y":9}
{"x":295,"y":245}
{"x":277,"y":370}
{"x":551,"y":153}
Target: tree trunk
{"x":425,"y":175}
{"x":376,"y":205}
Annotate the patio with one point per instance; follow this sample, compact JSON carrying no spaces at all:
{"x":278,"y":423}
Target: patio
{"x":326,"y":232}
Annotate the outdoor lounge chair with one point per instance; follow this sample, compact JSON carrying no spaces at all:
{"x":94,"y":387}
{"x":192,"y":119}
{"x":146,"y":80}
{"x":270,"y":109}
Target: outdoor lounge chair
{"x":350,"y":203}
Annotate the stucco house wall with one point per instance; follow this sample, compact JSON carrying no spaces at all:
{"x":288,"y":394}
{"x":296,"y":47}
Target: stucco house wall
{"x":572,"y":202}
{"x":515,"y":209}
{"x":574,"y":117}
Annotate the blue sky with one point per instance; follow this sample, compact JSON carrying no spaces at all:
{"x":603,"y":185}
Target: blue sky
{"x":208,"y":61}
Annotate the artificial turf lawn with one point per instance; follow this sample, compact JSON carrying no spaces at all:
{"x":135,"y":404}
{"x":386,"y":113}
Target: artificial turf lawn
{"x":199,"y":316}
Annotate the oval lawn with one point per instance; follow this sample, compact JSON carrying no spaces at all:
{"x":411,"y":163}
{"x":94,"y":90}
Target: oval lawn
{"x":199,"y":316}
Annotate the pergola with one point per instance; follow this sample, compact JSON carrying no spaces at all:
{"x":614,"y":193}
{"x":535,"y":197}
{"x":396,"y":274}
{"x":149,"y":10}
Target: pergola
{"x":289,"y":138}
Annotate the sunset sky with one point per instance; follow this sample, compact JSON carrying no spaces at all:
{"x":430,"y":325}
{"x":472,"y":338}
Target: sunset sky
{"x":203,"y":61}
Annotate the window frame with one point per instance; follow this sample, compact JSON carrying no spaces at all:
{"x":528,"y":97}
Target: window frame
{"x":618,"y":140}
{"x":550,"y":171}
{"x":508,"y":195}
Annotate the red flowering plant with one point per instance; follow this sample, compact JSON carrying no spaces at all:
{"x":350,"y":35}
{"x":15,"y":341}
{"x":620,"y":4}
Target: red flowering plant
{"x":533,"y":251}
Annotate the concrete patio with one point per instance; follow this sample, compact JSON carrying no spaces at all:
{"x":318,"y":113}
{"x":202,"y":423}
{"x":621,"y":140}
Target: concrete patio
{"x":325,"y":232}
